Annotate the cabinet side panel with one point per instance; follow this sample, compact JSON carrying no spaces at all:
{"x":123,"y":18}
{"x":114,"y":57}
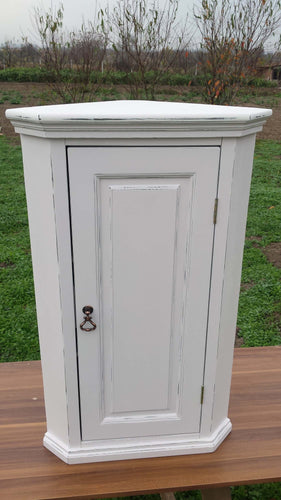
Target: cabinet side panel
{"x":39,"y":193}
{"x":233,"y":264}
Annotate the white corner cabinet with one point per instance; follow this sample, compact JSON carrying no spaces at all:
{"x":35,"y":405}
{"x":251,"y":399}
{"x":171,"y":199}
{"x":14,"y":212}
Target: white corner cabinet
{"x":137,"y":210}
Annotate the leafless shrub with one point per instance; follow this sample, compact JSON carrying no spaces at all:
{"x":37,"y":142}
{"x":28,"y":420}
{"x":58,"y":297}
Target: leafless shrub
{"x":233,"y":35}
{"x":70,"y":57}
{"x":147,"y":40}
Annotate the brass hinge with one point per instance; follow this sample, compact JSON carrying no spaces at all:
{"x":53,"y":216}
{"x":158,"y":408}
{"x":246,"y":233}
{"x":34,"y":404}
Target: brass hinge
{"x":215,"y":210}
{"x":202,"y":394}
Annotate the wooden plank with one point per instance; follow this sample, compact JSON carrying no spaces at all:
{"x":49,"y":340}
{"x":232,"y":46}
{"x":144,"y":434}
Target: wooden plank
{"x":250,"y":454}
{"x":256,"y":359}
{"x":21,"y":394}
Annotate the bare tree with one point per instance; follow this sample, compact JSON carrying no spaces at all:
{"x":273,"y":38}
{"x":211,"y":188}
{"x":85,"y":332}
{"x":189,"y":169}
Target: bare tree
{"x":233,"y":35}
{"x":28,"y":54}
{"x":147,"y":39}
{"x":14,"y":53}
{"x":70,"y":58}
{"x":8,"y":54}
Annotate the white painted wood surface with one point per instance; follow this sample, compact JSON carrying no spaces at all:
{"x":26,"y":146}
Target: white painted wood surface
{"x":113,"y":119}
{"x":42,"y":227}
{"x":120,"y":199}
{"x":147,"y":242}
{"x":240,"y":187}
{"x":135,"y":110}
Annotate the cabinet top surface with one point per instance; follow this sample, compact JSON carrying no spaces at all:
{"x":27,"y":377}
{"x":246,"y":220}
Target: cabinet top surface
{"x":136,"y":110}
{"x":134,"y":119}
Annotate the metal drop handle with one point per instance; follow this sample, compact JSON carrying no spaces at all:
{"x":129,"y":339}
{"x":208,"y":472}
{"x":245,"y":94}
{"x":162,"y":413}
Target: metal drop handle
{"x":88,"y":310}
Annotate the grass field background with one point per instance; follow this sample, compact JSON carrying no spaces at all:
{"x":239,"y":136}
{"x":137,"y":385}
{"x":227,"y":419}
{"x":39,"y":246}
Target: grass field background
{"x":259,"y":318}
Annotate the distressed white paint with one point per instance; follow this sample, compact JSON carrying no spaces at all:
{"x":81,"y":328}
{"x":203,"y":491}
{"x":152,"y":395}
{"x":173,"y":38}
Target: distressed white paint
{"x":242,"y":169}
{"x":135,"y":110}
{"x":142,"y":447}
{"x":118,"y":117}
{"x":148,"y":242}
{"x":142,"y":227}
{"x":145,"y":253}
{"x":42,"y":226}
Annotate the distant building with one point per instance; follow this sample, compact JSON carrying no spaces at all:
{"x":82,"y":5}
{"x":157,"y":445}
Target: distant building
{"x":269,"y":71}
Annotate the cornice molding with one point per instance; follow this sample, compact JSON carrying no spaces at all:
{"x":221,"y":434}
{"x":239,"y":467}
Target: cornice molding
{"x":137,"y":119}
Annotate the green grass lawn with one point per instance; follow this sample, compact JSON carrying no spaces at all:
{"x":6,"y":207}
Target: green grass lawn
{"x":18,"y":328}
{"x":259,"y":318}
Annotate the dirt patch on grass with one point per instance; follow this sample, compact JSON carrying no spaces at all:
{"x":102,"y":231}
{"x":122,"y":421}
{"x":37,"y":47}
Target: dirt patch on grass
{"x":246,"y":286}
{"x":272,"y":128}
{"x":254,"y":238}
{"x":6,"y":264}
{"x":273,"y":253}
{"x":239,"y":341}
{"x":277,"y":316}
{"x":31,"y":94}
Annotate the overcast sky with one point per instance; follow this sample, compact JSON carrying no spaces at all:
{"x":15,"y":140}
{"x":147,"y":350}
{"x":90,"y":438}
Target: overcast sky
{"x":15,"y":17}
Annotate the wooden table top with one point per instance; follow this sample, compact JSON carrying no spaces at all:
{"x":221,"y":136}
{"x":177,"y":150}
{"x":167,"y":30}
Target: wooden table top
{"x":250,"y":454}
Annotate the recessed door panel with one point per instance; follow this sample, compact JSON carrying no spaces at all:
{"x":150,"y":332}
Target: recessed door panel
{"x":142,"y":233}
{"x":142,"y":246}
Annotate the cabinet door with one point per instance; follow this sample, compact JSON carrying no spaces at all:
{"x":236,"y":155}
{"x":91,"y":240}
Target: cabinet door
{"x":142,"y":236}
